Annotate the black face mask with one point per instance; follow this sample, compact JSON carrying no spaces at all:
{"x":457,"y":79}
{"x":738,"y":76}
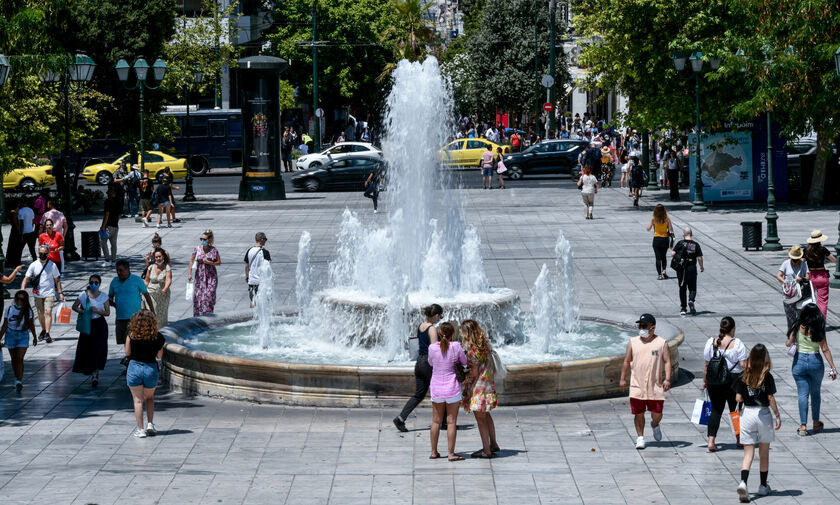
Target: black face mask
{"x":42,"y":256}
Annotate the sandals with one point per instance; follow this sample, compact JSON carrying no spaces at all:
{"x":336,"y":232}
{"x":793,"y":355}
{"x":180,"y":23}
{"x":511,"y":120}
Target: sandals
{"x":818,"y":427}
{"x":802,"y":432}
{"x":456,"y":458}
{"x":435,"y":456}
{"x":481,"y":455}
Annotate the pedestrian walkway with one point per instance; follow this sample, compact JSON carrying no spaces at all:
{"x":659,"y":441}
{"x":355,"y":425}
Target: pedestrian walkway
{"x":62,"y":443}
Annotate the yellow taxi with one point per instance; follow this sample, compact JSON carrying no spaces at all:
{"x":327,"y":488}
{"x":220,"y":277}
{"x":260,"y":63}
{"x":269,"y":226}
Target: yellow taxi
{"x":467,"y":152}
{"x":29,"y":178}
{"x":155,"y":161}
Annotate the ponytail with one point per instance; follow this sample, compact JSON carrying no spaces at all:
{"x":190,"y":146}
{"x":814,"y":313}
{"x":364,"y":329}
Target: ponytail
{"x":727,"y":324}
{"x":445,"y":332}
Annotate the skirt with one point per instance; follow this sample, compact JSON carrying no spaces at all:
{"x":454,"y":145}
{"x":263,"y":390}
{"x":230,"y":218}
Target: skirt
{"x":92,"y":349}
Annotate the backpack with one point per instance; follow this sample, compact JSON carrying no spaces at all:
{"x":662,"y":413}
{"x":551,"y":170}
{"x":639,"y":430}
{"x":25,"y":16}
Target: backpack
{"x":717,"y":373}
{"x":677,"y":260}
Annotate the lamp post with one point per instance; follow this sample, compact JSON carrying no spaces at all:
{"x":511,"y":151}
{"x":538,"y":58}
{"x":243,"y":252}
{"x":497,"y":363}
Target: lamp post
{"x":141,"y":71}
{"x":72,"y":78}
{"x":696,"y":59}
{"x":771,"y":241}
{"x":835,"y":282}
{"x":197,"y":78}
{"x":5,"y":68}
{"x":552,"y":17}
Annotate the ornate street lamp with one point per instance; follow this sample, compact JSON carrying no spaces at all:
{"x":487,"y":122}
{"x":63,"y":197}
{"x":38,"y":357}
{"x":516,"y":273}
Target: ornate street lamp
{"x":5,"y":68}
{"x":197,"y":78}
{"x":835,"y":282}
{"x":141,"y":72}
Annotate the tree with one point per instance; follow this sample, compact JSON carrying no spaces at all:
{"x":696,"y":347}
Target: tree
{"x":501,"y":54}
{"x":410,"y":36}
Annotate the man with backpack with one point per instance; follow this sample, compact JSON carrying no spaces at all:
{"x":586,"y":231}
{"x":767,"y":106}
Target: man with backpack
{"x":592,"y":159}
{"x":686,"y":257}
{"x":45,"y":279}
{"x":254,"y":259}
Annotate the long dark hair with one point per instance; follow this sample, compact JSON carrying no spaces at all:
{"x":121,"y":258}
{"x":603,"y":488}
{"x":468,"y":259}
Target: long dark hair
{"x":25,"y":309}
{"x":811,"y":318}
{"x":814,"y":252}
{"x":727,"y":324}
{"x":432,"y":310}
{"x":445,"y":332}
{"x":758,"y":366}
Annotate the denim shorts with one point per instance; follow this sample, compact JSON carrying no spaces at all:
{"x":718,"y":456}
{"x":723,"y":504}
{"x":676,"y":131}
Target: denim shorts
{"x":487,"y":171}
{"x":16,"y":338}
{"x":142,"y":374}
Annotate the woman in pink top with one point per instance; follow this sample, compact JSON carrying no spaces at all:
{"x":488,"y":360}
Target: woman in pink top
{"x":445,"y":388}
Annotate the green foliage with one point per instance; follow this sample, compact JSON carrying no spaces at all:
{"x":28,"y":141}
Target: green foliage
{"x":410,"y":36}
{"x":286,"y":93}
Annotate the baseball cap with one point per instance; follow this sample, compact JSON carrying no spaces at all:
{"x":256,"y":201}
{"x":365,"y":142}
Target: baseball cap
{"x":646,"y":318}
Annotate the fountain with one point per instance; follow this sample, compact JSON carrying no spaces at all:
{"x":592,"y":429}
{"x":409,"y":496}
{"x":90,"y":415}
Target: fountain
{"x":355,"y":351}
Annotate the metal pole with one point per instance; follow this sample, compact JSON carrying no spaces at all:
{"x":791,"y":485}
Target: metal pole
{"x":771,"y":241}
{"x":63,"y":179}
{"x":189,"y":194}
{"x":698,"y":204}
{"x":536,"y":71}
{"x":835,"y":282}
{"x":552,"y":11}
{"x":653,"y":181}
{"x":142,"y":138}
{"x":3,"y":291}
{"x":317,"y":139}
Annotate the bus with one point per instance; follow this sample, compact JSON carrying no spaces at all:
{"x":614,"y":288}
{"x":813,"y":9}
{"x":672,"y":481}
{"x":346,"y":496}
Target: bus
{"x":215,"y":140}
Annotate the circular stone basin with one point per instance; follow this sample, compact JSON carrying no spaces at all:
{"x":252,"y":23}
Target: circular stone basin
{"x":216,"y":356}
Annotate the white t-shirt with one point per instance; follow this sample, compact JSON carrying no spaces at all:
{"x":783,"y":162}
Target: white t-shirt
{"x":588,"y":183}
{"x":46,"y":285}
{"x":736,"y":353}
{"x":27,"y":215}
{"x":99,"y":302}
{"x":255,"y":258}
{"x":15,"y":318}
{"x":791,"y":273}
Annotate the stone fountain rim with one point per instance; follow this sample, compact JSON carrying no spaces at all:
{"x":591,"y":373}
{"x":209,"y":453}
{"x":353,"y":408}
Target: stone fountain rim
{"x":172,"y":333}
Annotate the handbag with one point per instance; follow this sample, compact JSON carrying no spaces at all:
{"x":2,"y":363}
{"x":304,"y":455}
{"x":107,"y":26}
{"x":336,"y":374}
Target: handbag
{"x":84,"y":319}
{"x":735,"y":417}
{"x":413,"y":348}
{"x":670,"y":240}
{"x":808,"y":295}
{"x":792,"y":292}
{"x":791,"y":351}
{"x":460,"y":372}
{"x":501,"y":168}
{"x":702,"y":410}
{"x":495,"y":366}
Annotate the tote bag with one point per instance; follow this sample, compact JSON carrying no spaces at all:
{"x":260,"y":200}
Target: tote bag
{"x":702,"y":410}
{"x":83,"y":320}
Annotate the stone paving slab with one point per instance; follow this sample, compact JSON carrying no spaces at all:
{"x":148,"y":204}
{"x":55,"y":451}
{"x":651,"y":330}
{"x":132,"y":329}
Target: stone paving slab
{"x":61,"y":442}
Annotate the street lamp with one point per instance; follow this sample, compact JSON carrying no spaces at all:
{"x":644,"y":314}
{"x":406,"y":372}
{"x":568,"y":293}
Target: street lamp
{"x":141,"y":72}
{"x":835,"y":282}
{"x":197,"y":78}
{"x":696,"y":60}
{"x":5,"y":68}
{"x":72,"y":78}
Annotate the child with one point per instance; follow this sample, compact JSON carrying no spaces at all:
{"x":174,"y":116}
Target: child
{"x":18,"y":319}
{"x":755,"y":388}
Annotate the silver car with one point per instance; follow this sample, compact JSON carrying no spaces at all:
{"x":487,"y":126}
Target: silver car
{"x":337,"y":152}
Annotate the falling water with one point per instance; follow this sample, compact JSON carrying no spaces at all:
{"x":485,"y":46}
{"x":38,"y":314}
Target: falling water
{"x":303,"y":276}
{"x":564,"y":264}
{"x":555,"y":310}
{"x":543,"y":310}
{"x":264,"y":306}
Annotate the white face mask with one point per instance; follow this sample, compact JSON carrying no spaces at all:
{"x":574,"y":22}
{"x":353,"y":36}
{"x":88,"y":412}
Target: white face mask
{"x":644,"y":333}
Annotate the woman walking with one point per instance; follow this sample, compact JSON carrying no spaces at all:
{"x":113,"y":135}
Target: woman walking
{"x":158,"y":281}
{"x":792,"y":272}
{"x":637,"y":180}
{"x":92,"y":348}
{"x":445,"y":389}
{"x":426,"y":336}
{"x":54,"y":240}
{"x":728,"y":353}
{"x":143,"y":347}
{"x":18,"y":320}
{"x":674,"y":168}
{"x":662,"y":233}
{"x":157,"y":243}
{"x":624,"y":160}
{"x":588,"y":185}
{"x":808,"y":335}
{"x":207,"y":258}
{"x":372,"y":186}
{"x":755,"y":388}
{"x":496,"y":160}
{"x":816,"y":255}
{"x":480,"y":388}
{"x":163,"y":196}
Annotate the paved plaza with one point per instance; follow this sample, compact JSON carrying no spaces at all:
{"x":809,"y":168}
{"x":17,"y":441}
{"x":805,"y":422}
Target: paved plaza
{"x":62,"y":443}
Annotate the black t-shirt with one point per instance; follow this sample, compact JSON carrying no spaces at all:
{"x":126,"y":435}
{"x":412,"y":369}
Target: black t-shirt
{"x":114,"y":208}
{"x":690,"y":251}
{"x":819,"y":263}
{"x":163,"y":191}
{"x":756,"y":397}
{"x":145,"y":351}
{"x":146,"y":194}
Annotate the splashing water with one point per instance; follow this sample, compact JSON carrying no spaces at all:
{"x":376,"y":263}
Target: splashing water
{"x":264,"y":306}
{"x":303,"y":276}
{"x":564,"y":264}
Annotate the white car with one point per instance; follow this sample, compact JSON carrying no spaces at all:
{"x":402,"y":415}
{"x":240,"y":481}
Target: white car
{"x":336,"y":152}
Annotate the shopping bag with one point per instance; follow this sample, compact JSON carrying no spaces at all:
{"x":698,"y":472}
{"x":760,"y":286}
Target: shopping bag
{"x":702,"y":410}
{"x":735,"y":417}
{"x":83,"y":320}
{"x":501,"y":168}
{"x":63,"y":314}
{"x":190,"y":291}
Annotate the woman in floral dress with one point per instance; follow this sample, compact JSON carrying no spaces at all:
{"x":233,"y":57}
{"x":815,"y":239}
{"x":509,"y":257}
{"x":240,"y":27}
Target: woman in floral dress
{"x":479,"y":388}
{"x":207,"y":258}
{"x":159,"y":281}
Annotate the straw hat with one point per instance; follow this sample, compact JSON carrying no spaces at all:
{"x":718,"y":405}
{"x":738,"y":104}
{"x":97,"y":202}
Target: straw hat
{"x":817,"y":237}
{"x":795,"y":253}
{"x":605,"y":151}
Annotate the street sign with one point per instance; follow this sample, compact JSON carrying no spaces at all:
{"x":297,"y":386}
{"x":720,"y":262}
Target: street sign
{"x":547,"y":81}
{"x":548,"y":106}
{"x":319,"y":112}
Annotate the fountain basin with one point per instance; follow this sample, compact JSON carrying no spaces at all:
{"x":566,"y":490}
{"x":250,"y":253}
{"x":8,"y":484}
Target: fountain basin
{"x":198,"y":372}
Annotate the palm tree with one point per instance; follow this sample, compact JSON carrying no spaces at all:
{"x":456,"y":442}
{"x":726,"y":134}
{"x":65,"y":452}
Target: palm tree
{"x":411,"y":36}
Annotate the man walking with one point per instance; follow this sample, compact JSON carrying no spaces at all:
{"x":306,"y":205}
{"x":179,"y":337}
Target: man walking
{"x":110,"y":226}
{"x":28,"y":235}
{"x":647,"y":358}
{"x":254,"y":259}
{"x":487,"y":167}
{"x":687,"y":255}
{"x":46,"y":281}
{"x":125,"y":293}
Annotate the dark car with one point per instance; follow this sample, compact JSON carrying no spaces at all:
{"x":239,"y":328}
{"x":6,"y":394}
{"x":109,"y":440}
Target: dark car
{"x":546,"y":157}
{"x":347,"y":174}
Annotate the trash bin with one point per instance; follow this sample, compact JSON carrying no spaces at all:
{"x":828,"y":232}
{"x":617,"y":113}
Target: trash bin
{"x":90,"y":245}
{"x":751,"y":235}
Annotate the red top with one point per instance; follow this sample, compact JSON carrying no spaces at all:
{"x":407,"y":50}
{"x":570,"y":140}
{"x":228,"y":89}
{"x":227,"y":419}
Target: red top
{"x":54,"y":242}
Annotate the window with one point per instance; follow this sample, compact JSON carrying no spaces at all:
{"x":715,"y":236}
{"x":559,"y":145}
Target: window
{"x":234,"y":126}
{"x":340,"y":164}
{"x":217,"y":128}
{"x":476,"y":144}
{"x":455,"y":146}
{"x":360,"y":149}
{"x":153,"y":158}
{"x":198,"y":126}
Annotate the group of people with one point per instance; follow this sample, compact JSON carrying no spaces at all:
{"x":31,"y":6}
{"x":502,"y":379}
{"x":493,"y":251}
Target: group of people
{"x":458,"y":366}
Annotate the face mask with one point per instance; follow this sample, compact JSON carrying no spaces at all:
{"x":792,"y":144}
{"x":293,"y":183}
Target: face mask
{"x":644,"y":333}
{"x":94,"y":287}
{"x":159,"y":262}
{"x":18,"y":306}
{"x":42,"y":256}
{"x":204,"y":242}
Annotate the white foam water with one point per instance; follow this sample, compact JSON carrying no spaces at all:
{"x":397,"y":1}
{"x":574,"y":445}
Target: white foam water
{"x":264,"y":307}
{"x":303,"y":277}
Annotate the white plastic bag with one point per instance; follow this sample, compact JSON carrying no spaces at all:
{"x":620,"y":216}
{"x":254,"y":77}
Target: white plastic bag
{"x":190,"y":291}
{"x":413,"y":348}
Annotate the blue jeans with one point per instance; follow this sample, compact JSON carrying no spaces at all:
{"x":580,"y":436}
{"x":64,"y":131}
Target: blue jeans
{"x":133,"y":202}
{"x":808,"y":370}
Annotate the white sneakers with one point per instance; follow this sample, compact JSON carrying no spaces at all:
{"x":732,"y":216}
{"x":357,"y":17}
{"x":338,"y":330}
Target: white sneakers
{"x":106,"y":264}
{"x":640,"y":443}
{"x":657,"y":432}
{"x":145,"y":223}
{"x":764,"y":490}
{"x":743,"y":496}
{"x":150,"y":429}
{"x":139,"y":433}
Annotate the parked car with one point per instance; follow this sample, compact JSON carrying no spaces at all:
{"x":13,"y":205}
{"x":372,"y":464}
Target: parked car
{"x":801,"y":156}
{"x":29,"y":178}
{"x":467,"y":152}
{"x":548,"y":156}
{"x":346,"y":174}
{"x":337,"y":152}
{"x":155,"y":163}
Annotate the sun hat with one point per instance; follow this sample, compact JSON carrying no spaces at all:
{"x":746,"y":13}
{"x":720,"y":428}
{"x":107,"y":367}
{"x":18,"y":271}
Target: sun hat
{"x":605,"y":151}
{"x":817,"y":237}
{"x":795,"y":253}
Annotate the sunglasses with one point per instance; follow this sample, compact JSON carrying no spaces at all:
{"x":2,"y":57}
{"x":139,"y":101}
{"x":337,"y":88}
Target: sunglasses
{"x":202,"y":238}
{"x":95,"y":282}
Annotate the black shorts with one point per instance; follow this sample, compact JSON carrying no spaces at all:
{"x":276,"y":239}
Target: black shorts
{"x":252,"y":291}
